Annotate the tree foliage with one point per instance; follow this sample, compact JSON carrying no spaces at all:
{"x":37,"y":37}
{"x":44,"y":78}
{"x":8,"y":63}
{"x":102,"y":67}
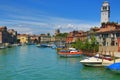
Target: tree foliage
{"x":62,"y":35}
{"x":88,"y":45}
{"x":78,"y":44}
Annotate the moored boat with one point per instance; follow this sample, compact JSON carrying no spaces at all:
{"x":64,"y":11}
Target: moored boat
{"x":115,"y":67}
{"x":92,"y":61}
{"x":38,"y":45}
{"x":42,"y":45}
{"x":54,"y":46}
{"x":2,"y":47}
{"x":97,"y":60}
{"x":69,"y":53}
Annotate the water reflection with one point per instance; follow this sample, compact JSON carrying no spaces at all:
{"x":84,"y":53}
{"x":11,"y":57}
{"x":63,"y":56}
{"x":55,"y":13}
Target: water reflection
{"x":68,"y":60}
{"x":23,"y":49}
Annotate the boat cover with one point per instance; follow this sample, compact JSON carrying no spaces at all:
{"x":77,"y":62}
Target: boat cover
{"x":115,"y":67}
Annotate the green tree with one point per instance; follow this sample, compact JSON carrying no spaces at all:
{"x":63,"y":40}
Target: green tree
{"x":88,"y":46}
{"x":94,"y":44}
{"x":78,"y":44}
{"x":62,"y":35}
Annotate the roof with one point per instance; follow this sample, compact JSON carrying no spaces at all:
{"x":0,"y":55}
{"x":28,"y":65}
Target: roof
{"x":2,"y":28}
{"x":109,"y":27}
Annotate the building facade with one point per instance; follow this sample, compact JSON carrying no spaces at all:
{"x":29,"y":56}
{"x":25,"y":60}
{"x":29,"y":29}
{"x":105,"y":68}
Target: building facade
{"x":108,"y":37}
{"x":12,"y":36}
{"x":3,"y":34}
{"x":23,"y":38}
{"x":8,"y":36}
{"x":34,"y":39}
{"x":44,"y":38}
{"x":76,"y":35}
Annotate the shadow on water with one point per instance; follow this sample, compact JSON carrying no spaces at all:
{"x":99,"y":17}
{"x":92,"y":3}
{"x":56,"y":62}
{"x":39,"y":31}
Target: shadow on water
{"x":7,"y":51}
{"x":71,"y":60}
{"x":97,"y":73}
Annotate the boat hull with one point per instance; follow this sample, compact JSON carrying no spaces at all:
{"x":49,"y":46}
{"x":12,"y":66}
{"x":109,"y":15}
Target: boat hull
{"x":92,"y":62}
{"x":97,"y":64}
{"x":69,"y":55}
{"x":93,"y":65}
{"x":42,"y":46}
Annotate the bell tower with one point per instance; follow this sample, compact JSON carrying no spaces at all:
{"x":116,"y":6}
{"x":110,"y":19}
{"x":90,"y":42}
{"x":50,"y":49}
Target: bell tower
{"x":105,"y":12}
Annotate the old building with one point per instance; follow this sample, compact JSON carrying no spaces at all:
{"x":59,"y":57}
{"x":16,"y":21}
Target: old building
{"x":8,"y":36}
{"x":52,"y":39}
{"x":23,"y":38}
{"x":12,"y":36}
{"x":3,"y":34}
{"x":44,"y":38}
{"x":108,"y":37}
{"x":70,"y":37}
{"x":34,"y":39}
{"x":83,"y":36}
{"x":76,"y":35}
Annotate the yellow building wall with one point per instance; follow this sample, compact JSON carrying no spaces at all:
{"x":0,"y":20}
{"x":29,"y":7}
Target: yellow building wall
{"x":23,"y":39}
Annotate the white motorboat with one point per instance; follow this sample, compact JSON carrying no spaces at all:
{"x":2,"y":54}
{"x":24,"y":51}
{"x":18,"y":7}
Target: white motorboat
{"x":2,"y":47}
{"x":92,"y":61}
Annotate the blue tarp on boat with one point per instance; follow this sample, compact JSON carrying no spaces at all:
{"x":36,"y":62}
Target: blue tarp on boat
{"x":115,"y":67}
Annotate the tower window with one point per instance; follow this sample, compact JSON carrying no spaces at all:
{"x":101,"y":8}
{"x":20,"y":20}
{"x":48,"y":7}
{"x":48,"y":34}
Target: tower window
{"x":104,"y":8}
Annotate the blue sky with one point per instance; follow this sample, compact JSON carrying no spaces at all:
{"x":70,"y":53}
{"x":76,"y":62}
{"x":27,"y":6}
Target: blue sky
{"x":44,"y":16}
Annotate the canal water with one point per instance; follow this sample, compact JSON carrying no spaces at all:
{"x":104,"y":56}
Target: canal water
{"x":33,"y":63}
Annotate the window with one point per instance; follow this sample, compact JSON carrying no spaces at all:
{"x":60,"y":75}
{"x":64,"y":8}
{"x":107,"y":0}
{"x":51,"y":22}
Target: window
{"x":117,"y":34}
{"x":105,"y":35}
{"x":116,"y":43}
{"x":112,"y":43}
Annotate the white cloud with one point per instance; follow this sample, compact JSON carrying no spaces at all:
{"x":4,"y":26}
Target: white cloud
{"x":44,"y":24}
{"x":35,"y":21}
{"x":23,"y":30}
{"x":75,"y":26}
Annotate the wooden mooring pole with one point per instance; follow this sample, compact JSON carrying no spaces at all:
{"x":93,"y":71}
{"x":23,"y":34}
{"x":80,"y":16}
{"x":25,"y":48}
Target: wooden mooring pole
{"x":113,"y":56}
